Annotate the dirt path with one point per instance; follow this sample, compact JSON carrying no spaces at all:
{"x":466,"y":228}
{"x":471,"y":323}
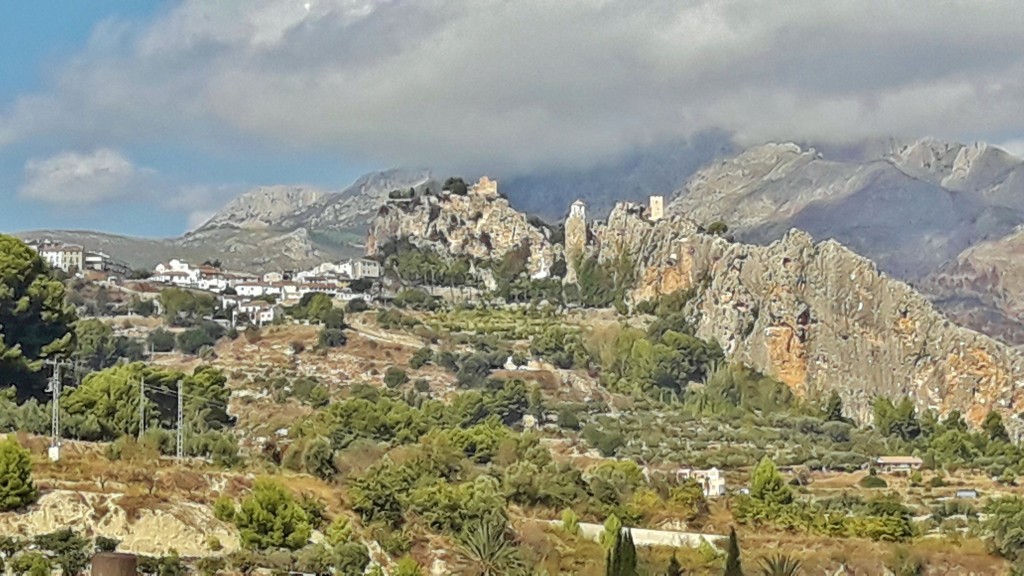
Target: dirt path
{"x":379,"y":335}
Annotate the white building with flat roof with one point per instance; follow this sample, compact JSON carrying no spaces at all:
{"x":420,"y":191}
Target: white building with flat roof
{"x":67,"y":257}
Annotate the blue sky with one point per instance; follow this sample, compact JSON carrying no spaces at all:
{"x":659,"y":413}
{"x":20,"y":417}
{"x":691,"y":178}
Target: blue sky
{"x":143,"y":117}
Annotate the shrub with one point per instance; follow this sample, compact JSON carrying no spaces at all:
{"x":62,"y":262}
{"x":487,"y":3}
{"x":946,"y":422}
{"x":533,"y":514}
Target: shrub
{"x":224,"y":509}
{"x":421,"y":358}
{"x":872,"y":481}
{"x":567,"y":419}
{"x":570,"y":522}
{"x":161,"y":340}
{"x":357,"y":305}
{"x":395,"y":377}
{"x":318,"y":459}
{"x":332,"y":338}
{"x":104,"y":544}
{"x":192,"y":340}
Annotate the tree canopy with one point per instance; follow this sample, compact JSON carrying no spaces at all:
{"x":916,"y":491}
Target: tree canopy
{"x":35,"y":319}
{"x":16,"y":487}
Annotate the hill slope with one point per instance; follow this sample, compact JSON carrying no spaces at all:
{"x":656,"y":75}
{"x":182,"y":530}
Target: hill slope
{"x":914,"y":212}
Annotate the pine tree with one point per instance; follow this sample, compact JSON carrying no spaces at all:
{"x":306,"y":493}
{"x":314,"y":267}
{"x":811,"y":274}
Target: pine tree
{"x":16,"y":487}
{"x":674,"y":569}
{"x":732,"y":558}
{"x":767,"y":484}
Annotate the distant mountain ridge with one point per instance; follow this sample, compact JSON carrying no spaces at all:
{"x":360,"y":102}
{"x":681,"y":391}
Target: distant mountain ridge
{"x":914,"y":211}
{"x":944,"y":217}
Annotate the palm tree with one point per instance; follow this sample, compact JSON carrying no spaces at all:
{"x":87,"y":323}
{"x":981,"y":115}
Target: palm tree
{"x":487,"y":550}
{"x":780,"y":565}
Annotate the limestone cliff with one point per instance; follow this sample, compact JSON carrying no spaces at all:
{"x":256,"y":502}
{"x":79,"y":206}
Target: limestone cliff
{"x":817,"y":316}
{"x":480,"y":224}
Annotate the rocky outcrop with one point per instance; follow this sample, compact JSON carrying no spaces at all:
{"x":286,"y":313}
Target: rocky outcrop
{"x":817,"y":316}
{"x":914,"y":210}
{"x":264,"y":207}
{"x":480,"y":224}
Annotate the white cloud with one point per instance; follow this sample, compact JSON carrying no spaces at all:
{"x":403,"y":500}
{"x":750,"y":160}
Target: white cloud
{"x":72,"y":178}
{"x":534,"y":83}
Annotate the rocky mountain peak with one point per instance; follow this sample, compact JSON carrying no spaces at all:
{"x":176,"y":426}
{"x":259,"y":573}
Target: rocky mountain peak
{"x":264,"y":207}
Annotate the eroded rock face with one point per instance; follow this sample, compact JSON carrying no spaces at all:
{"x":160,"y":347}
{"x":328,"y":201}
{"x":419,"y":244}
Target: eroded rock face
{"x":927,"y":212}
{"x":818,"y":317}
{"x":479,"y":224}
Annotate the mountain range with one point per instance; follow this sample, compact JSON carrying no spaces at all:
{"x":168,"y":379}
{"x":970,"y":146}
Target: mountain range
{"x":947,"y":218}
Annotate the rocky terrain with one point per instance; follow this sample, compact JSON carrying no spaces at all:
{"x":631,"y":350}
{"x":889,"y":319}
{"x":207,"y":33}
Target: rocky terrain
{"x":818,"y":316}
{"x":480,"y":224}
{"x":943,"y":217}
{"x":924,"y":212}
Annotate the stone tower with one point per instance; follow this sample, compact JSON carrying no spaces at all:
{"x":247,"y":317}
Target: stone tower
{"x":657,"y":208}
{"x":575,"y":238}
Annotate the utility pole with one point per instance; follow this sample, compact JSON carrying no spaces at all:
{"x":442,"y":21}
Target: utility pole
{"x":181,"y":429}
{"x":142,"y":406}
{"x":54,"y":389}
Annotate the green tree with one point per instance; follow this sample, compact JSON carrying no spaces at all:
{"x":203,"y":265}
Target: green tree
{"x":16,"y":487}
{"x":271,"y":518}
{"x":732,"y":556}
{"x":96,"y":346}
{"x":834,"y":408}
{"x":194,"y":339}
{"x":1003,"y":527}
{"x":182,"y":307}
{"x":768,"y":486}
{"x":334,"y":319}
{"x":35,"y":320}
{"x":994,"y":428}
{"x":620,"y":559}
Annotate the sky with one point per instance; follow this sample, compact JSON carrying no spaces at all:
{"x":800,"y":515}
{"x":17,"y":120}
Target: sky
{"x":144,"y":116}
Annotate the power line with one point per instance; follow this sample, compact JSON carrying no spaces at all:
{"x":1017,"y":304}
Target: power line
{"x":173,"y":394}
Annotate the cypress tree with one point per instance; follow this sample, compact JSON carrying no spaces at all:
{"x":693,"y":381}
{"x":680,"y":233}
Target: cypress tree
{"x":621,"y":557}
{"x":627,"y":564}
{"x":732,"y":558}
